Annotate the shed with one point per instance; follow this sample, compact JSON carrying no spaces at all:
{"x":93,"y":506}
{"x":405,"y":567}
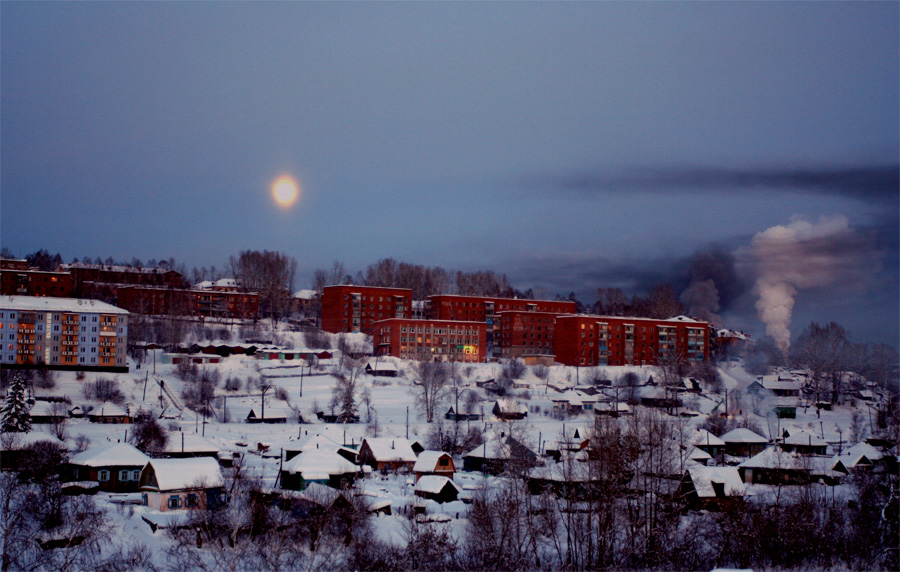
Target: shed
{"x":437,"y":488}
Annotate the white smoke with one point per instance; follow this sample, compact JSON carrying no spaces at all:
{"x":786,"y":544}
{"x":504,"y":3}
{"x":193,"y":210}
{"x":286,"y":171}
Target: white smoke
{"x":796,"y":256}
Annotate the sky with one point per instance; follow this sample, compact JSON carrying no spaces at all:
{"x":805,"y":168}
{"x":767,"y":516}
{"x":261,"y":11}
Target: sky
{"x":570,"y":146}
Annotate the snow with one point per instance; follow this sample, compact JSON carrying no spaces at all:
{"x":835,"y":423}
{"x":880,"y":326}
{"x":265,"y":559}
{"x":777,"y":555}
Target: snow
{"x":107,"y":409}
{"x":434,"y":484}
{"x":743,"y":435}
{"x":16,"y":441}
{"x":181,"y":442}
{"x":113,"y":455}
{"x":323,"y":462}
{"x":387,"y":449}
{"x":427,"y":461}
{"x":180,"y":474}
{"x":47,"y":304}
{"x":704,"y":477}
{"x":804,"y":438}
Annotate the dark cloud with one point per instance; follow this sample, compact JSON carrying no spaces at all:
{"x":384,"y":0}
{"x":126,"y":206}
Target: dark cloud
{"x":871,"y":183}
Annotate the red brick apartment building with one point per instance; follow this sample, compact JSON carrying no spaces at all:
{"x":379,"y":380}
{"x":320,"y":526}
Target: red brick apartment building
{"x":444,"y":340}
{"x":17,"y":279}
{"x":351,"y":308}
{"x":88,"y":278}
{"x":614,"y":340}
{"x":526,"y":335}
{"x":486,"y":309}
{"x":203,"y":303}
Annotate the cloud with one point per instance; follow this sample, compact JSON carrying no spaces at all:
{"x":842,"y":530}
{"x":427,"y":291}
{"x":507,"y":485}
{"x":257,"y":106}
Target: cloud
{"x":871,"y":183}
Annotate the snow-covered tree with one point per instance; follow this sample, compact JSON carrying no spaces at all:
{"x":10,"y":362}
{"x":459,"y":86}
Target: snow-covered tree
{"x":15,"y":417}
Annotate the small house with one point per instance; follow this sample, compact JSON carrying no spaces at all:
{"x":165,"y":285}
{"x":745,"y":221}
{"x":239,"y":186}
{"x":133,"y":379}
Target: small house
{"x":46,"y":412}
{"x":322,"y":466}
{"x":181,"y":445}
{"x":434,"y":463}
{"x":495,"y":454}
{"x":452,"y":415}
{"x":742,"y":442}
{"x":436,"y":488}
{"x":381,"y":368}
{"x":509,"y":409}
{"x":774,"y":466}
{"x":711,"y":487}
{"x":387,"y":454}
{"x":171,"y":484}
{"x":706,"y":441}
{"x":116,"y":466}
{"x":109,"y":413}
{"x":803,"y":442}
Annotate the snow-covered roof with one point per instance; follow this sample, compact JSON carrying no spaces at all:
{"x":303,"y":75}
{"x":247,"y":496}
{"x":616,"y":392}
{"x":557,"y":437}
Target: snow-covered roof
{"x":704,"y":477}
{"x":564,"y":472}
{"x":107,"y":409}
{"x":427,"y":461}
{"x":511,"y":406}
{"x":321,"y":461}
{"x":852,"y":457}
{"x":434,"y":484}
{"x":776,"y":458}
{"x":743,"y":435}
{"x":112,"y":455}
{"x":381,"y":365}
{"x":48,"y":304}
{"x":114,"y":268}
{"x":306,"y":294}
{"x":45,"y":409}
{"x":387,"y":449}
{"x":702,"y":437}
{"x":319,"y":494}
{"x":804,"y":438}
{"x":179,"y":474}
{"x":181,"y":442}
{"x":783,"y":385}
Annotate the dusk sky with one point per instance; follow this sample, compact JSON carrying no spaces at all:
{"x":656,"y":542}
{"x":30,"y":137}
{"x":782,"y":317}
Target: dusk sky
{"x":569,"y":146}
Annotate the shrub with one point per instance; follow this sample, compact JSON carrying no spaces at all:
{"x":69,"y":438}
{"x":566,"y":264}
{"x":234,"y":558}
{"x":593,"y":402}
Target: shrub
{"x":104,"y":389}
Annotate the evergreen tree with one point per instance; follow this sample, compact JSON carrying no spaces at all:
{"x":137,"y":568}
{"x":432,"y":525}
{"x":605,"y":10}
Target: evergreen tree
{"x":15,"y":412}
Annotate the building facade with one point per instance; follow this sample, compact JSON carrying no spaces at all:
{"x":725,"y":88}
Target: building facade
{"x":17,"y":279}
{"x":443,"y":340}
{"x":62,"y":333}
{"x":350,"y":309}
{"x":526,"y":335}
{"x":210,"y":303}
{"x":586,"y":340}
{"x":487,"y":309}
{"x":89,"y":280}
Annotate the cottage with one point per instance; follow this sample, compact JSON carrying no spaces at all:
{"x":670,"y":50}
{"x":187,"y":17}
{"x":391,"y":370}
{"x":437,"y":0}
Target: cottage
{"x":509,"y":409}
{"x":116,"y":466}
{"x":320,"y":466}
{"x":194,"y":484}
{"x":612,"y":408}
{"x":46,"y":412}
{"x":181,"y":445}
{"x":109,"y":413}
{"x":387,"y":454}
{"x":437,"y":488}
{"x":803,"y":442}
{"x":711,"y":487}
{"x":743,"y":442}
{"x":775,"y":466}
{"x":777,"y":386}
{"x":860,"y":457}
{"x":452,"y":415}
{"x":434,"y":463}
{"x":495,"y":454}
{"x":381,"y":368}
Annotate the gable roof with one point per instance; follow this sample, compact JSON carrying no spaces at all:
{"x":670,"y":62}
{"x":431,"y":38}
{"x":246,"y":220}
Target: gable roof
{"x":111,"y":455}
{"x":107,"y":409}
{"x":704,"y":477}
{"x":804,"y":438}
{"x":428,"y":460}
{"x":510,"y":406}
{"x":702,"y":437}
{"x":193,"y":443}
{"x":179,"y":474}
{"x":319,"y":462}
{"x":387,"y":449}
{"x":434,"y":484}
{"x":743,"y":435}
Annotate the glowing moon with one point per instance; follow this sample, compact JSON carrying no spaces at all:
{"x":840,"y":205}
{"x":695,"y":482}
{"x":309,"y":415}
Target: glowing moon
{"x":285,"y":191}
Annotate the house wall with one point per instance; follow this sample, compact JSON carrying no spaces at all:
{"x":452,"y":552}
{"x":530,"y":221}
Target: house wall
{"x":202,"y":499}
{"x":115,"y":483}
{"x":444,"y":340}
{"x":351,"y":308}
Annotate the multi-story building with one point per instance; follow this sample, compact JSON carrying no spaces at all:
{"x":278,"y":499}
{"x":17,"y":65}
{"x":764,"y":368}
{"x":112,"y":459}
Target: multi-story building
{"x":614,"y":340}
{"x":351,"y":308}
{"x":445,"y":340}
{"x":62,"y":333}
{"x":17,"y":279}
{"x":210,"y":303}
{"x":526,"y":335}
{"x":486,"y":309}
{"x":98,"y":280}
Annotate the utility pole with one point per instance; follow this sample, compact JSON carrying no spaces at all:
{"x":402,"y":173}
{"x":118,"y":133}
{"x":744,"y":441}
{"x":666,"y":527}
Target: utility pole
{"x":407,"y":422}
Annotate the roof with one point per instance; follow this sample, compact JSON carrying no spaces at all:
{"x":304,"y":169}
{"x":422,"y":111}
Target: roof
{"x":45,"y":409}
{"x":179,"y":474}
{"x":743,"y":435}
{"x":192,"y":443}
{"x":434,"y":484}
{"x":107,"y":409}
{"x":306,"y":294}
{"x":497,"y":448}
{"x":511,"y":406}
{"x":776,"y":458}
{"x":702,"y":437}
{"x":321,"y":461}
{"x":852,"y":457}
{"x":804,"y":438}
{"x":112,"y":455}
{"x":385,"y":449}
{"x":564,"y":472}
{"x":381,"y":365}
{"x":48,"y":304}
{"x":115,"y":268}
{"x":427,"y":461}
{"x":704,"y":477}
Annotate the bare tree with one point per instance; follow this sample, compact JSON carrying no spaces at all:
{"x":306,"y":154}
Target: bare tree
{"x":271,"y":275}
{"x":430,"y":385}
{"x":823,"y":350}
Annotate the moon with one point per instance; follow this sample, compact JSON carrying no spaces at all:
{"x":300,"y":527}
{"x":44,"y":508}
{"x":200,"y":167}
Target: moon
{"x":285,"y":191}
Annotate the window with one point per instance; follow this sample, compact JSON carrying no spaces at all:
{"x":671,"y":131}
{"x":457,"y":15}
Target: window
{"x":104,"y":475}
{"x":191,"y":501}
{"x":135,"y":475}
{"x":174,"y":502}
{"x":123,"y":475}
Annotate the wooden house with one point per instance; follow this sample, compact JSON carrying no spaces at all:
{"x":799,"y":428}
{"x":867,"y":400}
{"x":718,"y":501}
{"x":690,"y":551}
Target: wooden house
{"x":742,"y":442}
{"x":495,"y":454}
{"x":193,"y":484}
{"x":436,"y":488}
{"x":509,"y":409}
{"x":110,"y":413}
{"x":803,"y":442}
{"x":711,"y":487}
{"x":387,"y":454}
{"x":116,"y":467}
{"x":46,"y":412}
{"x":434,"y":463}
{"x":181,"y":445}
{"x":322,"y":466}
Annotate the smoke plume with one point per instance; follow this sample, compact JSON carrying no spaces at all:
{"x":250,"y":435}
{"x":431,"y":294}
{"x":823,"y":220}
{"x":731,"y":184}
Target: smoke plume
{"x":801,"y":255}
